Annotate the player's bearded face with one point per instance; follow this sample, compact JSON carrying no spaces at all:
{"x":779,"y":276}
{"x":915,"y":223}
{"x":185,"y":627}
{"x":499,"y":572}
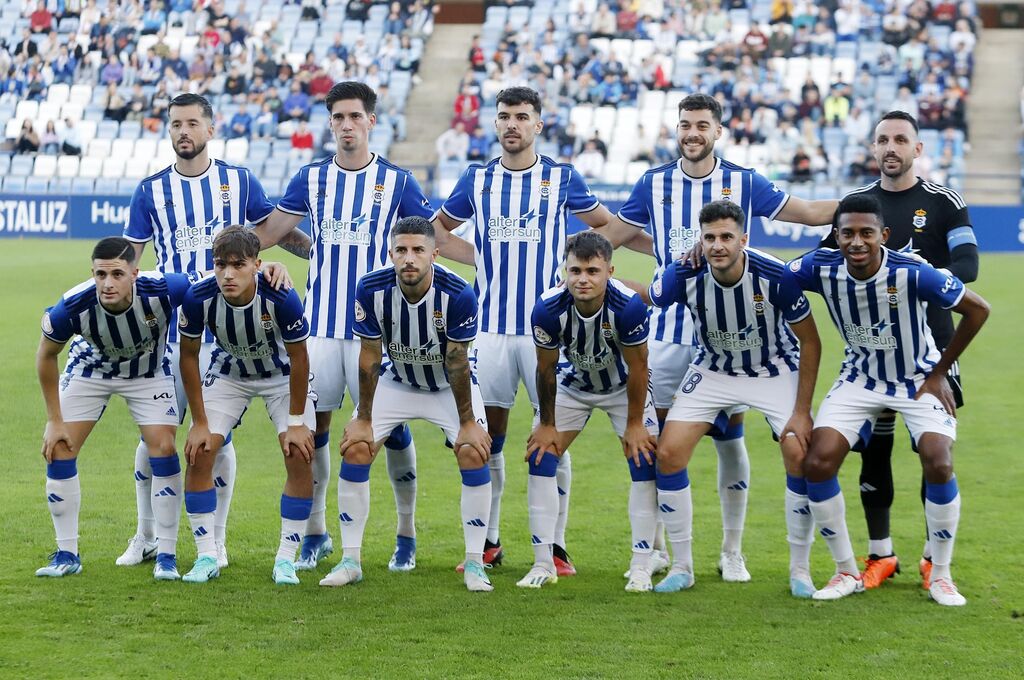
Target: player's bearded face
{"x":413,"y":256}
{"x":895,"y":147}
{"x":696,"y":134}
{"x":115,"y":280}
{"x":189,"y":131}
{"x":517,"y":126}
{"x":587,"y":279}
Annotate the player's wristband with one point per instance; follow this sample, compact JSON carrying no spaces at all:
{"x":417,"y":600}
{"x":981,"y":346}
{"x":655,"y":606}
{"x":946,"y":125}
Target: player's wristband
{"x":295,"y":420}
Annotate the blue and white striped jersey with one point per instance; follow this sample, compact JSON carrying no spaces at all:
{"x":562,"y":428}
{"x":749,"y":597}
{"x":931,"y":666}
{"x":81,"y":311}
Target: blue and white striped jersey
{"x":416,"y":336}
{"x":351,"y":213}
{"x":889,"y":347}
{"x":742,"y":329}
{"x":591,"y":346}
{"x":668,"y":202}
{"x":182,"y":215}
{"x":521,"y":218}
{"x":129,"y":344}
{"x":250,"y":339}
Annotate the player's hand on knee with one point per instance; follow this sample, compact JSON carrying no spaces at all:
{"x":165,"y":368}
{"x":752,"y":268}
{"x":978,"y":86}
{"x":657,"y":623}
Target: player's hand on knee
{"x":277,"y":275}
{"x":543,"y":439}
{"x":55,"y":436}
{"x":475,"y":437}
{"x":799,"y":426}
{"x":297,"y":440}
{"x":638,"y":443}
{"x":198,"y":442}
{"x":937,"y":386}
{"x":357,"y":430}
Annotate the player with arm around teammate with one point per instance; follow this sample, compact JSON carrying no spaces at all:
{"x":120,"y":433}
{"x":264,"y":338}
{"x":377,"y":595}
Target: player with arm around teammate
{"x":878,"y":300}
{"x":425,"y":316}
{"x":591,"y":338}
{"x":261,"y":352}
{"x":117,"y":324}
{"x":747,"y":354}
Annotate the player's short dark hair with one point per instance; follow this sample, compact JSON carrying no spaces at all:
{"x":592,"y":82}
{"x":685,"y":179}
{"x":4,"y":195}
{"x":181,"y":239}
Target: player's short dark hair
{"x":114,"y":248}
{"x":701,"y":102}
{"x":514,"y":96}
{"x":236,"y":242}
{"x":351,"y":89}
{"x":900,"y":115}
{"x":587,"y":244}
{"x":723,"y":210}
{"x":860,"y":203}
{"x":413,"y":226}
{"x":191,"y":99}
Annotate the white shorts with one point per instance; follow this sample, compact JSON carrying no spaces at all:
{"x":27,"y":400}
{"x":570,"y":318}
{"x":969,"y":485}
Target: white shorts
{"x":501,"y":361}
{"x":227,"y":398}
{"x":333,"y":368}
{"x":667,"y":363}
{"x":395,"y":404}
{"x":705,"y":395}
{"x":174,"y":357}
{"x":847,"y":405}
{"x":573,"y":409}
{"x":151,"y":401}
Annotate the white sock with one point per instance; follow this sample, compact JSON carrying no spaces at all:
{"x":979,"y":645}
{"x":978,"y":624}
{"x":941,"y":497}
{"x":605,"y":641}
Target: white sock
{"x":353,"y":507}
{"x":292,"y":531}
{"x":167,"y":498}
{"x":316,"y":525}
{"x":676,"y":511}
{"x":659,"y":535}
{"x":830,"y":518}
{"x":881,"y":548}
{"x":799,"y":531}
{"x":497,"y":468}
{"x":942,"y":523}
{"x":733,"y":484}
{"x":542,"y":500}
{"x":202,"y":530}
{"x":926,"y":551}
{"x":475,"y":506}
{"x":224,"y":482}
{"x":402,"y":472}
{"x":64,"y":498}
{"x":564,"y":477}
{"x":643,"y":516}
{"x":144,"y":492}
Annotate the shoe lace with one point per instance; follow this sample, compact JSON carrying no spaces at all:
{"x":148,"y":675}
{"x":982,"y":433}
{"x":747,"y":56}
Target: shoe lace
{"x":946,"y":586}
{"x":836,"y":579}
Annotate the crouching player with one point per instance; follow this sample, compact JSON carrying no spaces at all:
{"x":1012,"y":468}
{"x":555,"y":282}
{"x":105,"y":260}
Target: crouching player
{"x":747,"y":355}
{"x":591,"y":339}
{"x":121,"y":319}
{"x":427,"y":317}
{"x":878,"y":301}
{"x":260,"y":335}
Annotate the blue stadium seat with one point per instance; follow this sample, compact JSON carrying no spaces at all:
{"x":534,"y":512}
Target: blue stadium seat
{"x":14,"y":185}
{"x":107,"y":129}
{"x":60,"y":185}
{"x":5,"y":164}
{"x":37,"y":185}
{"x":130,"y":129}
{"x":81,"y":186}
{"x":21,"y":166}
{"x":105,"y":186}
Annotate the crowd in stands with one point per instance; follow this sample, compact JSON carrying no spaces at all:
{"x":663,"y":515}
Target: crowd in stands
{"x":801,"y":83}
{"x":265,"y":64}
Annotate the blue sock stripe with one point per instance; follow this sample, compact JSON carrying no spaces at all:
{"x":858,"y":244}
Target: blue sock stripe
{"x":797,"y":485}
{"x":227,"y":440}
{"x":477,"y":477}
{"x":547,"y":466}
{"x":295,"y":508}
{"x":62,"y":469}
{"x":197,"y":502}
{"x":165,"y":466}
{"x":676,"y":481}
{"x":352,"y":472}
{"x":645,"y":472}
{"x":497,"y":444}
{"x":941,"y":494}
{"x":728,"y":432}
{"x":399,"y":438}
{"x":321,"y":440}
{"x":822,"y":491}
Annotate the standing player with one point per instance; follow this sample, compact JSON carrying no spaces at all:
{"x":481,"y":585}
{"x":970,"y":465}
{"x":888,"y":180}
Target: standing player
{"x":746,"y":354}
{"x":426,"y":317}
{"x":120,"y":319}
{"x":931,"y":221}
{"x":878,"y":300}
{"x":520,"y":203}
{"x":592,"y":333}
{"x":181,"y":209}
{"x":352,"y":201}
{"x":260,"y":336}
{"x":668,"y":201}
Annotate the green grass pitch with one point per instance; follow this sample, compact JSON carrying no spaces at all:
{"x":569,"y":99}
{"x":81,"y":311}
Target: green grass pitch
{"x":117,"y":622}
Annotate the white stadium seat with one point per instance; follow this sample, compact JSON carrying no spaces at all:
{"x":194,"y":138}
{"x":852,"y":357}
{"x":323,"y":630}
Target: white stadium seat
{"x":90,"y":167}
{"x":136,"y":167}
{"x":122,"y":148}
{"x":67,"y":166}
{"x":236,"y":150}
{"x":216,"y":148}
{"x":113,"y":167}
{"x":46,"y":166}
{"x":98,"y":148}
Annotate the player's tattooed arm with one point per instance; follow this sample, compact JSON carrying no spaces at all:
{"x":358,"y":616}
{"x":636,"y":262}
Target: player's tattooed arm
{"x":281,"y":228}
{"x":370,"y":355}
{"x":456,"y":362}
{"x":621,"y":233}
{"x":56,"y":433}
{"x":297,"y":243}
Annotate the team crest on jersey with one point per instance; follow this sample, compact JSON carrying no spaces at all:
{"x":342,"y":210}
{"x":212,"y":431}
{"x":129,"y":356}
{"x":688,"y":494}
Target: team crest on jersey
{"x":378,"y":193}
{"x":726,"y":194}
{"x":360,"y":312}
{"x":794,"y":266}
{"x":656,"y":287}
{"x":438,"y":320}
{"x":151,"y":320}
{"x":182,"y":320}
{"x":545,"y":188}
{"x":47,"y":324}
{"x":920,"y":218}
{"x":894,"y":296}
{"x":606,"y":329}
{"x":759,"y":305}
{"x":225,"y":193}
{"x":541,"y":336}
{"x":266,"y":322}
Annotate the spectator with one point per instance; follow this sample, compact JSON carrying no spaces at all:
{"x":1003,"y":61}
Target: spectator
{"x":857,"y":126}
{"x":41,"y":21}
{"x":28,"y":139}
{"x":302,"y":143}
{"x":644,"y":148}
{"x":715,"y":21}
{"x":114,"y":105}
{"x":836,"y":107}
{"x":157,"y":114}
{"x":858,"y":170}
{"x":477,"y":58}
{"x":823,"y":40}
{"x":48,"y":140}
{"x":296,"y":106}
{"x":71,"y":140}
{"x":319,"y":85}
{"x":780,"y":42}
{"x":138,"y":103}
{"x":26,"y":46}
{"x":962,"y":36}
{"x":666,"y":148}
{"x":64,"y":66}
{"x":848,"y":20}
{"x":755,"y":43}
{"x":266,"y":122}
{"x":453,"y":144}
{"x":781,"y":12}
{"x":603,"y":24}
{"x":154,"y":18}
{"x":388,"y":108}
{"x":240,"y":124}
{"x":235,"y":83}
{"x":467,"y":108}
{"x":567,"y":141}
{"x":112,"y":71}
{"x":479,"y":146}
{"x":394,"y":23}
{"x":905,"y":101}
{"x":590,"y":163}
{"x":800,"y":168}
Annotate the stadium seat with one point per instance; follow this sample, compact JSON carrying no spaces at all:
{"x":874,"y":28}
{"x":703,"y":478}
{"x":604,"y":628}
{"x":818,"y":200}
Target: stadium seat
{"x":14,"y":185}
{"x":236,"y":150}
{"x":130,"y":129}
{"x":146,"y":148}
{"x":113,"y":167}
{"x":13,"y":128}
{"x":37,"y":185}
{"x":45,"y":166}
{"x":81,"y":186}
{"x":80,"y":94}
{"x":126,"y":186}
{"x":107,"y":129}
{"x":122,"y":148}
{"x":105,"y":186}
{"x":98,"y":148}
{"x":27,"y":109}
{"x":90,"y":167}
{"x":58,"y":93}
{"x":136,"y":167}
{"x":5,"y":165}
{"x":60,"y":185}
{"x":67,"y":166}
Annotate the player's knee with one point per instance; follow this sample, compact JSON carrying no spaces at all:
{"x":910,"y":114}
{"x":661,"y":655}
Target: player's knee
{"x":818,"y":466}
{"x":162,"y":445}
{"x":358,"y":454}
{"x":468,"y":458}
{"x":793,"y":455}
{"x":937,"y":465}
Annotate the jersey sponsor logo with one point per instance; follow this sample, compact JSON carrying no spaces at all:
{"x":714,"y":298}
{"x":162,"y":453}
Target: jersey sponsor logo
{"x":163,"y":395}
{"x":438,"y":320}
{"x":225,"y":193}
{"x":429,"y":353}
{"x":893,"y":295}
{"x":591,"y":362}
{"x":541,"y":336}
{"x":354,"y":232}
{"x":188,"y":239}
{"x":747,"y":338}
{"x":514,"y":229}
{"x":266,"y":322}
{"x":296,"y":325}
{"x":920,"y":219}
{"x":47,"y":324}
{"x":256,"y":350}
{"x":639,"y":328}
{"x":949,"y":285}
{"x":759,"y":305}
{"x":877,"y":336}
{"x":129,"y":351}
{"x":360,"y":313}
{"x":681,"y":240}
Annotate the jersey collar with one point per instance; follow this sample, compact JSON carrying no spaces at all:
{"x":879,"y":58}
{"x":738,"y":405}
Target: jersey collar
{"x":704,"y":178}
{"x":525,"y":170}
{"x":337,"y":165}
{"x":193,"y":178}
